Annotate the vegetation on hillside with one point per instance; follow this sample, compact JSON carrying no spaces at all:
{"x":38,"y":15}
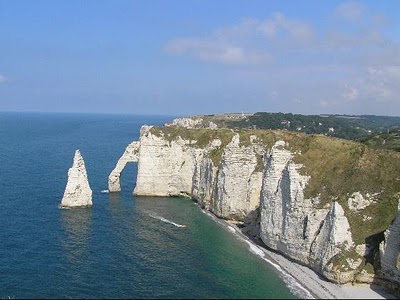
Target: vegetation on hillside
{"x":368,"y":129}
{"x":387,"y":140}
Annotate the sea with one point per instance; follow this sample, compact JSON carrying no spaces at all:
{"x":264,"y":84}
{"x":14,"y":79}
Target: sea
{"x":123,"y":246}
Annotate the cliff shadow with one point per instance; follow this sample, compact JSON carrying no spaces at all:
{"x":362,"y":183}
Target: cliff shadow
{"x":250,"y":226}
{"x":381,"y":282}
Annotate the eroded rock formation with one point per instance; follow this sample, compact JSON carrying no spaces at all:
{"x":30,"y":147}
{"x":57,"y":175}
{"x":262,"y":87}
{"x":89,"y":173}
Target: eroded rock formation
{"x":257,"y":178}
{"x":77,"y":192}
{"x":390,"y":252}
{"x":130,"y":155}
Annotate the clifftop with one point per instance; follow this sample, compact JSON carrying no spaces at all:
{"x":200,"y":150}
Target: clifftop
{"x":371,"y":130}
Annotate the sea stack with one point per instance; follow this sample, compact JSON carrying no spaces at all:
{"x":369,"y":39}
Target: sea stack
{"x":77,"y":192}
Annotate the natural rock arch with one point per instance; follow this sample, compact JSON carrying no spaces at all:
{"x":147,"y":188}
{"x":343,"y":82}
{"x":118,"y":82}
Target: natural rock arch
{"x":131,"y":154}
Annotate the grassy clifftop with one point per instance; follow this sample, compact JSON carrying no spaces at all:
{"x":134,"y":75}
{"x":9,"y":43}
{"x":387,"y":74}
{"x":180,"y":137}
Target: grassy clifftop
{"x":375,"y":131}
{"x":337,"y":169}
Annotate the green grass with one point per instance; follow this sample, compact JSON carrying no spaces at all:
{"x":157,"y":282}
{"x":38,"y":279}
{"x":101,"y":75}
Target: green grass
{"x":338,"y":168}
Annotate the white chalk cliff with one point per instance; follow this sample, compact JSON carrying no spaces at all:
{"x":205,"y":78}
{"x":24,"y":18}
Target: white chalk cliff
{"x":77,"y":192}
{"x":247,"y":180}
{"x":390,"y":251}
{"x":291,"y":224}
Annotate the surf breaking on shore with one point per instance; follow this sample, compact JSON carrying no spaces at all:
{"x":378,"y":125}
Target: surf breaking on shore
{"x":301,"y":280}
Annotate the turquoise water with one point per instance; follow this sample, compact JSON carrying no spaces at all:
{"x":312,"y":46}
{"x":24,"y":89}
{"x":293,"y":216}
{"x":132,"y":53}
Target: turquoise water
{"x":119,"y":248}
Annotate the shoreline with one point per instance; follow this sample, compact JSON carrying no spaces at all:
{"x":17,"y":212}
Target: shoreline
{"x":309,"y":284}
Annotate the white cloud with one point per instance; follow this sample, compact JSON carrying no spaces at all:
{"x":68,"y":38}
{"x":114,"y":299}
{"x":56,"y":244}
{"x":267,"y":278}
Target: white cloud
{"x":216,"y":51}
{"x":278,"y":24}
{"x":274,"y":94}
{"x":374,"y":85}
{"x":297,"y":100}
{"x":323,"y":103}
{"x":2,"y":78}
{"x":355,"y":63}
{"x":245,"y":43}
{"x":351,"y":11}
{"x":350,"y":93}
{"x":383,"y":83}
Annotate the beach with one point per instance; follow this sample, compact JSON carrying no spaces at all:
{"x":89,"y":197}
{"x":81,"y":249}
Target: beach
{"x":308,"y":284}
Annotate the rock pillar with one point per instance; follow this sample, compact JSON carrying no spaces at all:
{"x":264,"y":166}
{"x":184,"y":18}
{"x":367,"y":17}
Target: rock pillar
{"x":77,"y":192}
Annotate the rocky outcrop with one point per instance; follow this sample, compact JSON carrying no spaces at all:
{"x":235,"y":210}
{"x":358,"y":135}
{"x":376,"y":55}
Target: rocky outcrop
{"x":131,"y":154}
{"x":186,"y":122}
{"x":357,"y":202}
{"x":390,"y":252}
{"x":238,"y":182}
{"x":179,"y":168}
{"x":291,"y":223}
{"x":77,"y":192}
{"x":258,"y":178}
{"x":165,"y":167}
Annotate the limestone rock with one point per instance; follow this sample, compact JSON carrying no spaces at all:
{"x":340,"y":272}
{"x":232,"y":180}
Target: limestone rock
{"x":254,"y":181}
{"x":390,"y":252}
{"x":186,"y":122}
{"x":165,"y":168}
{"x":334,"y":238}
{"x":357,"y":202}
{"x":288,"y":221}
{"x":238,"y":183}
{"x":291,"y":223}
{"x":77,"y":192}
{"x":131,"y":154}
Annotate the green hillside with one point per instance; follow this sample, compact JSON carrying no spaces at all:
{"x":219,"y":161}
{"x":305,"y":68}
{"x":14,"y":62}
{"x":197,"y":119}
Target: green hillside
{"x":374,"y":131}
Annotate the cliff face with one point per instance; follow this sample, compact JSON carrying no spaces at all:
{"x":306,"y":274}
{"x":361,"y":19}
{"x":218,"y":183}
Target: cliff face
{"x":230,"y":188}
{"x":390,"y":252}
{"x":291,"y":223}
{"x":310,"y":198}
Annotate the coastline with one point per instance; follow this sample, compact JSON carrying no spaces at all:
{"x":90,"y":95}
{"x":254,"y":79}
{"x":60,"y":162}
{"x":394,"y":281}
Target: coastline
{"x":304,"y":282}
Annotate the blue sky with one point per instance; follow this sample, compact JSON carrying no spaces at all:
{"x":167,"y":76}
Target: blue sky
{"x":200,"y":57}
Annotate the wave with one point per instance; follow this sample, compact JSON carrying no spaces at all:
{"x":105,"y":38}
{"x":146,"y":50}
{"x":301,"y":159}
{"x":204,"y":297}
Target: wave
{"x":295,"y":286}
{"x":165,"y":220}
{"x":290,"y":281}
{"x":105,"y":191}
{"x":232,"y":229}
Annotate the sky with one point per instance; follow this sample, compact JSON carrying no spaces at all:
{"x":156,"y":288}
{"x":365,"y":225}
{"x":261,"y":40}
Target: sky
{"x":187,"y":57}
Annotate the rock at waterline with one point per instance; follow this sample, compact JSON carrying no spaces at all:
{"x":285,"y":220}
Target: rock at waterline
{"x":77,"y":192}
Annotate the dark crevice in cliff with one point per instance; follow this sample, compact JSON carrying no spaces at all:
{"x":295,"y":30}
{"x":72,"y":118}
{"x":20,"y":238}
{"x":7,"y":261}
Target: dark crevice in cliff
{"x":305,"y":222}
{"x":372,"y":254}
{"x":316,"y":234}
{"x":284,"y":185}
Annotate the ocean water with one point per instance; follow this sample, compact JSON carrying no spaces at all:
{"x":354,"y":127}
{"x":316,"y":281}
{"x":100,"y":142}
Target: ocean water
{"x":123,"y":246}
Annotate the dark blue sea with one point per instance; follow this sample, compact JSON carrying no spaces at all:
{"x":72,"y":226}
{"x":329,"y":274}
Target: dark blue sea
{"x":117,"y":248}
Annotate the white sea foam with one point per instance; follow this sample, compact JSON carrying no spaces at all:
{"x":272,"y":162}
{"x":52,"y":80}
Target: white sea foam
{"x":298,"y":289}
{"x":155,"y":216}
{"x":290,"y":281}
{"x":105,"y":191}
{"x":232,"y":229}
{"x":255,"y":249}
